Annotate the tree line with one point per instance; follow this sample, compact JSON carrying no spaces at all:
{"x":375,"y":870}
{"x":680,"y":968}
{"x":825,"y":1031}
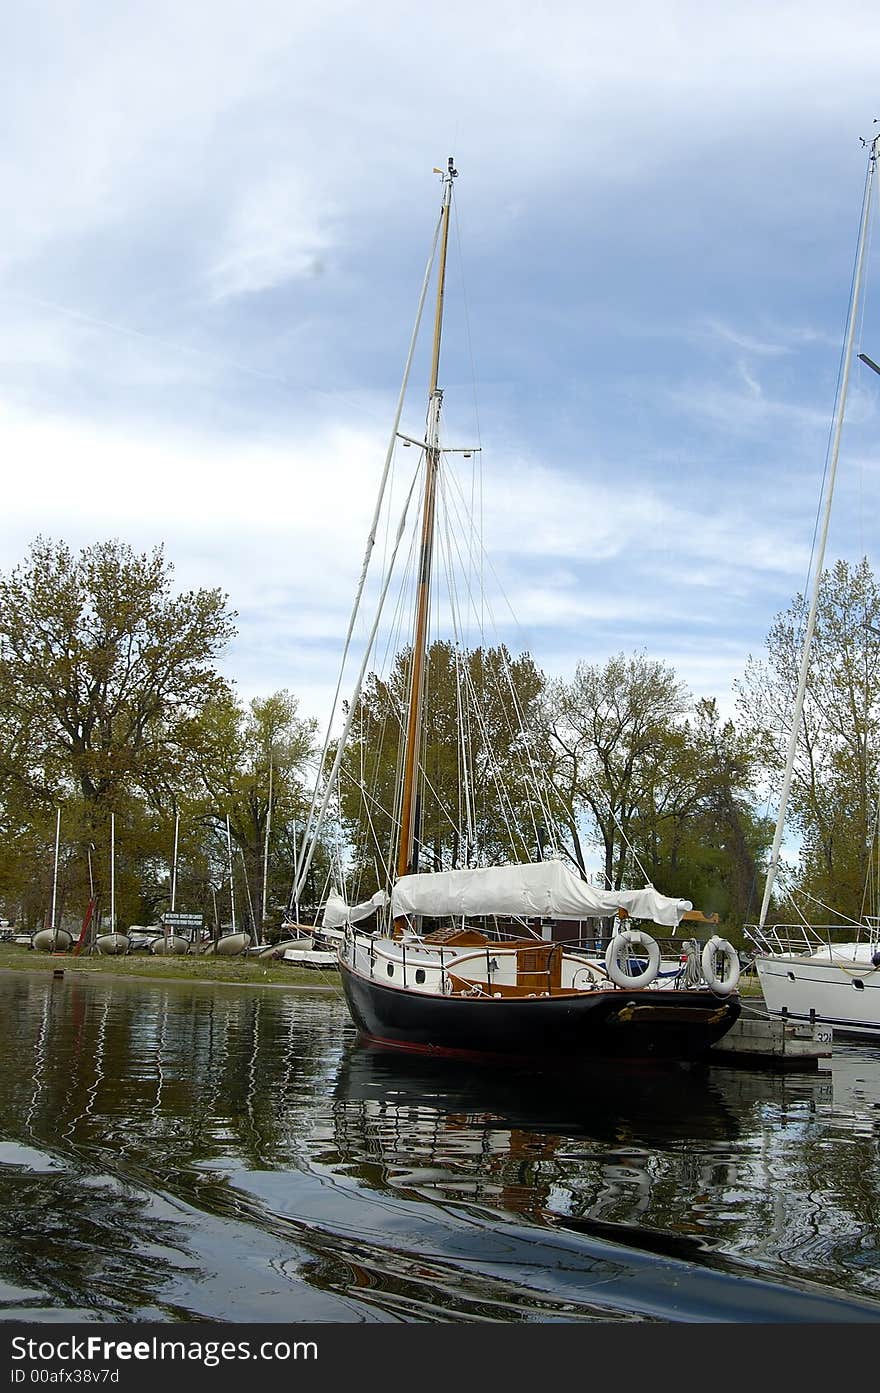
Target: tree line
{"x":112,"y":702}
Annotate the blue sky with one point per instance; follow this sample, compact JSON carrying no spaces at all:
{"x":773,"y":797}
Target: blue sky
{"x":220,"y":219}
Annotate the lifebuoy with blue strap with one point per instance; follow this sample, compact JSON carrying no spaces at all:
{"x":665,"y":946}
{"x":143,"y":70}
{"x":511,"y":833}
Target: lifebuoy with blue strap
{"x":617,"y":958}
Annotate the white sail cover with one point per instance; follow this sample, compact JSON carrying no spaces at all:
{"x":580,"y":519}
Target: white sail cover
{"x":337,"y":912}
{"x":547,"y":890}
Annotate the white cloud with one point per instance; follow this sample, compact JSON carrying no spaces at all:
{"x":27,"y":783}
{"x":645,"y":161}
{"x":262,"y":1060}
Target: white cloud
{"x":219,"y":216}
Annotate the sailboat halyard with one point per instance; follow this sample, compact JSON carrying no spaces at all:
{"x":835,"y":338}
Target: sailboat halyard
{"x":229,"y":945}
{"x":170,"y":942}
{"x":455,"y":989}
{"x":805,"y":973}
{"x":53,"y":938}
{"x":113,"y":942}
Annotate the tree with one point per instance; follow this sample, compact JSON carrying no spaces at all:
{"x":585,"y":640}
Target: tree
{"x":611,"y":728}
{"x":696,"y":831}
{"x":239,"y":748}
{"x":104,"y":671}
{"x":479,"y":801}
{"x":833,"y":798}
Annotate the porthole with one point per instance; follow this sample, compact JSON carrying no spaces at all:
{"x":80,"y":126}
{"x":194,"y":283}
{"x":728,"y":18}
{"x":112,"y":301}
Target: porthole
{"x":391,"y":969}
{"x":420,"y":975}
{"x":791,"y":977}
{"x":858,"y":984}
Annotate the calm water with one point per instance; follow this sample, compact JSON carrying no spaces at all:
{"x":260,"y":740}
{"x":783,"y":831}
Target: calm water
{"x":173,"y":1152}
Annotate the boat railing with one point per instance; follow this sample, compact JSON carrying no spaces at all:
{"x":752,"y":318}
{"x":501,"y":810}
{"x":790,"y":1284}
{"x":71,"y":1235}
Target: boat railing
{"x":805,"y":939}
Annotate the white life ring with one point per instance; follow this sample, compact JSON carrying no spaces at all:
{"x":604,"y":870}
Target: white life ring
{"x":723,"y":982}
{"x":618,"y":970}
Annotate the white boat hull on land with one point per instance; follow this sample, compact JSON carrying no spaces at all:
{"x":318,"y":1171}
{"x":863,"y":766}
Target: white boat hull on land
{"x":114,"y":944}
{"x":230,"y":945}
{"x":52,"y":941}
{"x":170,"y":944}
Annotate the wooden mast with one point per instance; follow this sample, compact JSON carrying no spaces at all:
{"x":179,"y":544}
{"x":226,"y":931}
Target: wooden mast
{"x":408,"y":831}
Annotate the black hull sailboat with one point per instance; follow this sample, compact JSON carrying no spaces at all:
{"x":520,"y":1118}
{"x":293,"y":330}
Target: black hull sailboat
{"x":614,"y":1024}
{"x":437,"y":976}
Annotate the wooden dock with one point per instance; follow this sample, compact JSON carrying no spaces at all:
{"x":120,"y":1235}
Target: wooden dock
{"x":758,"y":1041}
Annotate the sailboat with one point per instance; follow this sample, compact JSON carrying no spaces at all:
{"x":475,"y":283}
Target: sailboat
{"x":113,"y":943}
{"x":453,"y":985}
{"x":171,"y":942}
{"x":804,"y":972}
{"x":53,"y":939}
{"x":231,"y":944}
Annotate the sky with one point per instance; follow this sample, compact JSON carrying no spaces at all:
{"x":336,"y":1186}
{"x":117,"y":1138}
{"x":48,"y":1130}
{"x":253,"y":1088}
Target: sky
{"x":217,"y":222}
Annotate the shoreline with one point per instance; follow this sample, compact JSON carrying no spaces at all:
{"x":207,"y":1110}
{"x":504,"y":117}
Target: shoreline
{"x":147,"y":967}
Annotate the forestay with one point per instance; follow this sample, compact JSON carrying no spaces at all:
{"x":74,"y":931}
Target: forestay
{"x":547,"y":889}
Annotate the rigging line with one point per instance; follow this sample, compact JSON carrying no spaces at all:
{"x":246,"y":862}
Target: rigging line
{"x":538,"y":788}
{"x":391,"y":711}
{"x":394,"y":628}
{"x":799,"y":890}
{"x":869,"y":893}
{"x":125,"y":330}
{"x":869,"y":235}
{"x":481,"y":616}
{"x":371,"y":536}
{"x":464,"y":762}
{"x":477,"y":468}
{"x":467,"y":319}
{"x":493,"y":769}
{"x":315,"y":829}
{"x":367,"y":799}
{"x":487,"y":743}
{"x":830,"y":472}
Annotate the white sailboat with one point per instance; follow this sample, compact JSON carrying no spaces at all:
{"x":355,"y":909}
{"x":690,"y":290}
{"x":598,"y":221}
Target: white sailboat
{"x":235,"y":942}
{"x":805,"y":973}
{"x":53,"y":939}
{"x":113,"y":943}
{"x":170,"y":942}
{"x":437,"y":976}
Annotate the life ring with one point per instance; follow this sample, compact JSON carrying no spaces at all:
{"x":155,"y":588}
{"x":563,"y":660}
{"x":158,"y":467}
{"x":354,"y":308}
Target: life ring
{"x":619,"y":971}
{"x":722,"y":983}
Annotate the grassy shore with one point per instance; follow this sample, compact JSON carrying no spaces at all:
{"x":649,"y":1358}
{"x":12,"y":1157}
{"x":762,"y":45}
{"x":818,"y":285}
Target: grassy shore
{"x":243,"y":971}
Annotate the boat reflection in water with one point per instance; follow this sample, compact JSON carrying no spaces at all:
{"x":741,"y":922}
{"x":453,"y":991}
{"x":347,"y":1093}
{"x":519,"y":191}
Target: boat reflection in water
{"x":664,"y":1159}
{"x":547,"y":1148}
{"x":191,"y":1152}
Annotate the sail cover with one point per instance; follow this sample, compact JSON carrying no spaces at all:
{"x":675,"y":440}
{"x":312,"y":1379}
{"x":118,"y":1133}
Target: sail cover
{"x":547,"y":889}
{"x":337,"y":912}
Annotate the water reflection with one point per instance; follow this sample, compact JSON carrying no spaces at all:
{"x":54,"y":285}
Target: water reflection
{"x":176,"y":1152}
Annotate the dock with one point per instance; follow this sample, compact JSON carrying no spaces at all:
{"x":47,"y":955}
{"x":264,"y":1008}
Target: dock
{"x":758,"y":1041}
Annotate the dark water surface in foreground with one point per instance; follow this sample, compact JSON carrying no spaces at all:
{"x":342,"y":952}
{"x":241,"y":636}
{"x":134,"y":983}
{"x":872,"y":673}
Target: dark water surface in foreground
{"x":194,"y":1152}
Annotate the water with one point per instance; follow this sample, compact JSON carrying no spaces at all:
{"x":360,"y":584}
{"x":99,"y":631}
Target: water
{"x":191,"y":1152}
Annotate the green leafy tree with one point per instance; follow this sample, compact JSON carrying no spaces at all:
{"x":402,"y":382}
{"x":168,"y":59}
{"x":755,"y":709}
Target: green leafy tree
{"x":104,"y":671}
{"x":697,"y":831}
{"x":833,"y":799}
{"x":610,"y":728}
{"x":479,"y":802}
{"x":241,"y":748}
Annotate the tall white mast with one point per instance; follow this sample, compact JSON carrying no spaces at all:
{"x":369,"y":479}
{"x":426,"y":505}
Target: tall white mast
{"x":823,"y":536}
{"x":174,"y":863}
{"x":112,"y":872}
{"x":55,"y":876}
{"x":231,"y":876}
{"x":259,"y":930}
